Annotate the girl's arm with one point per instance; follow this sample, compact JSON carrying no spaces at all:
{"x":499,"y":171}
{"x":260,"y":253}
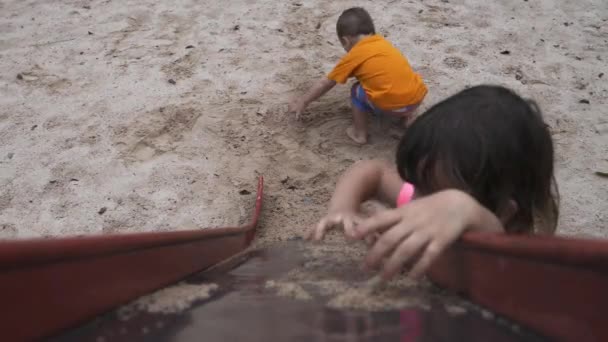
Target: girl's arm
{"x":319,"y":89}
{"x":363,"y":181}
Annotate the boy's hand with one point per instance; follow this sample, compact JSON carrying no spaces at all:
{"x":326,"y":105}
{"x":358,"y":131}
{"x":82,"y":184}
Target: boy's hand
{"x":348,"y":220}
{"x":419,"y":232}
{"x":297,"y":106}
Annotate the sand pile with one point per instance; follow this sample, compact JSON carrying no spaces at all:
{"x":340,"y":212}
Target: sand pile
{"x":331,"y":273}
{"x":168,"y":300}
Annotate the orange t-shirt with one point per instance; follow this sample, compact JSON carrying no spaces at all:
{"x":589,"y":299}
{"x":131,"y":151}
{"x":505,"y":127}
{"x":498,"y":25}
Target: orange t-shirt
{"x":384,"y":73}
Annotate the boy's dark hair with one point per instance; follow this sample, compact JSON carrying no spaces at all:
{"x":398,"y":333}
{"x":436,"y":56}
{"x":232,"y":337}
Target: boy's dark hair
{"x":353,"y":22}
{"x":490,"y":143}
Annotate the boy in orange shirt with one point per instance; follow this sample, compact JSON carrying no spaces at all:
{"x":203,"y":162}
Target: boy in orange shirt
{"x":386,"y":82}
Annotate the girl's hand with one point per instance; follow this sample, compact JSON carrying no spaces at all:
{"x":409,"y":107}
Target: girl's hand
{"x":419,"y":232}
{"x":347,"y":219}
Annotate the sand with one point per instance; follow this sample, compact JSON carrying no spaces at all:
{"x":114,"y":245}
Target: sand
{"x":288,"y":289}
{"x":171,"y":299}
{"x":124,"y":116}
{"x":331,"y":273}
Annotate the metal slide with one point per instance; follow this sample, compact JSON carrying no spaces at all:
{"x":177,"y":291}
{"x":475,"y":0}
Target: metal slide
{"x":66,"y":288}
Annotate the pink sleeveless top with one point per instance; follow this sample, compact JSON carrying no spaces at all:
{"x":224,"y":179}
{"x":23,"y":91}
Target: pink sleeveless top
{"x":405,"y":195}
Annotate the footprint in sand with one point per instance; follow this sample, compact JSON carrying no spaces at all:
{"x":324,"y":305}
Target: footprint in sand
{"x":455,"y":62}
{"x":143,"y":151}
{"x":155,"y":133}
{"x":37,"y":77}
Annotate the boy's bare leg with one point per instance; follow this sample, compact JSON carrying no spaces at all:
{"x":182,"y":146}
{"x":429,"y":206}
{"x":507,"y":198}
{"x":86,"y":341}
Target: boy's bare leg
{"x":410,"y":116}
{"x":408,"y":120}
{"x":358,"y":130}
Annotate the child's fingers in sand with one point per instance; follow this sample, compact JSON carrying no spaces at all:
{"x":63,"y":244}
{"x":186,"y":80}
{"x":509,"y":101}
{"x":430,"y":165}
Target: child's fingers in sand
{"x":347,"y":220}
{"x":377,"y":223}
{"x":326,"y":223}
{"x":296,"y":106}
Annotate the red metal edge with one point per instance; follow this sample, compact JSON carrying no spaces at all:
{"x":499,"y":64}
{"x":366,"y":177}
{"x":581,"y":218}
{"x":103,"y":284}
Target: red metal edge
{"x":554,"y":285}
{"x":48,"y":285}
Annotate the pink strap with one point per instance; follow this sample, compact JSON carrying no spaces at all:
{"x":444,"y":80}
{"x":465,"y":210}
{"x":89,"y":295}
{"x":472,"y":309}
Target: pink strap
{"x":405,"y":195}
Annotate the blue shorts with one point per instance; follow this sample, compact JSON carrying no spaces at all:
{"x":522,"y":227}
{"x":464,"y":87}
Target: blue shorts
{"x":360,"y":100}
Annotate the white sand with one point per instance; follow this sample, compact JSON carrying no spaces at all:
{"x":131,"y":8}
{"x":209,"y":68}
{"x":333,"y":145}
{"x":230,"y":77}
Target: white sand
{"x":288,"y":289}
{"x":90,"y":120}
{"x":172,"y":299}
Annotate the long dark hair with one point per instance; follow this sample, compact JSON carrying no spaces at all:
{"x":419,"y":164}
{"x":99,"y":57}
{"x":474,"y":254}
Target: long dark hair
{"x":490,"y":143}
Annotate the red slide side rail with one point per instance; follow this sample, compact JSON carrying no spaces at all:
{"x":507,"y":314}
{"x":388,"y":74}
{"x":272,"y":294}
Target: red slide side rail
{"x":556,"y":286}
{"x":48,"y":285}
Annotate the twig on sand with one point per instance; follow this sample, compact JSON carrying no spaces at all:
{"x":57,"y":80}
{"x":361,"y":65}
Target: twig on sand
{"x":53,"y":42}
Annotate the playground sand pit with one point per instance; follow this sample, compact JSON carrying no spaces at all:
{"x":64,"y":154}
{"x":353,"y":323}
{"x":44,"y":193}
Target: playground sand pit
{"x":131,"y":116}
